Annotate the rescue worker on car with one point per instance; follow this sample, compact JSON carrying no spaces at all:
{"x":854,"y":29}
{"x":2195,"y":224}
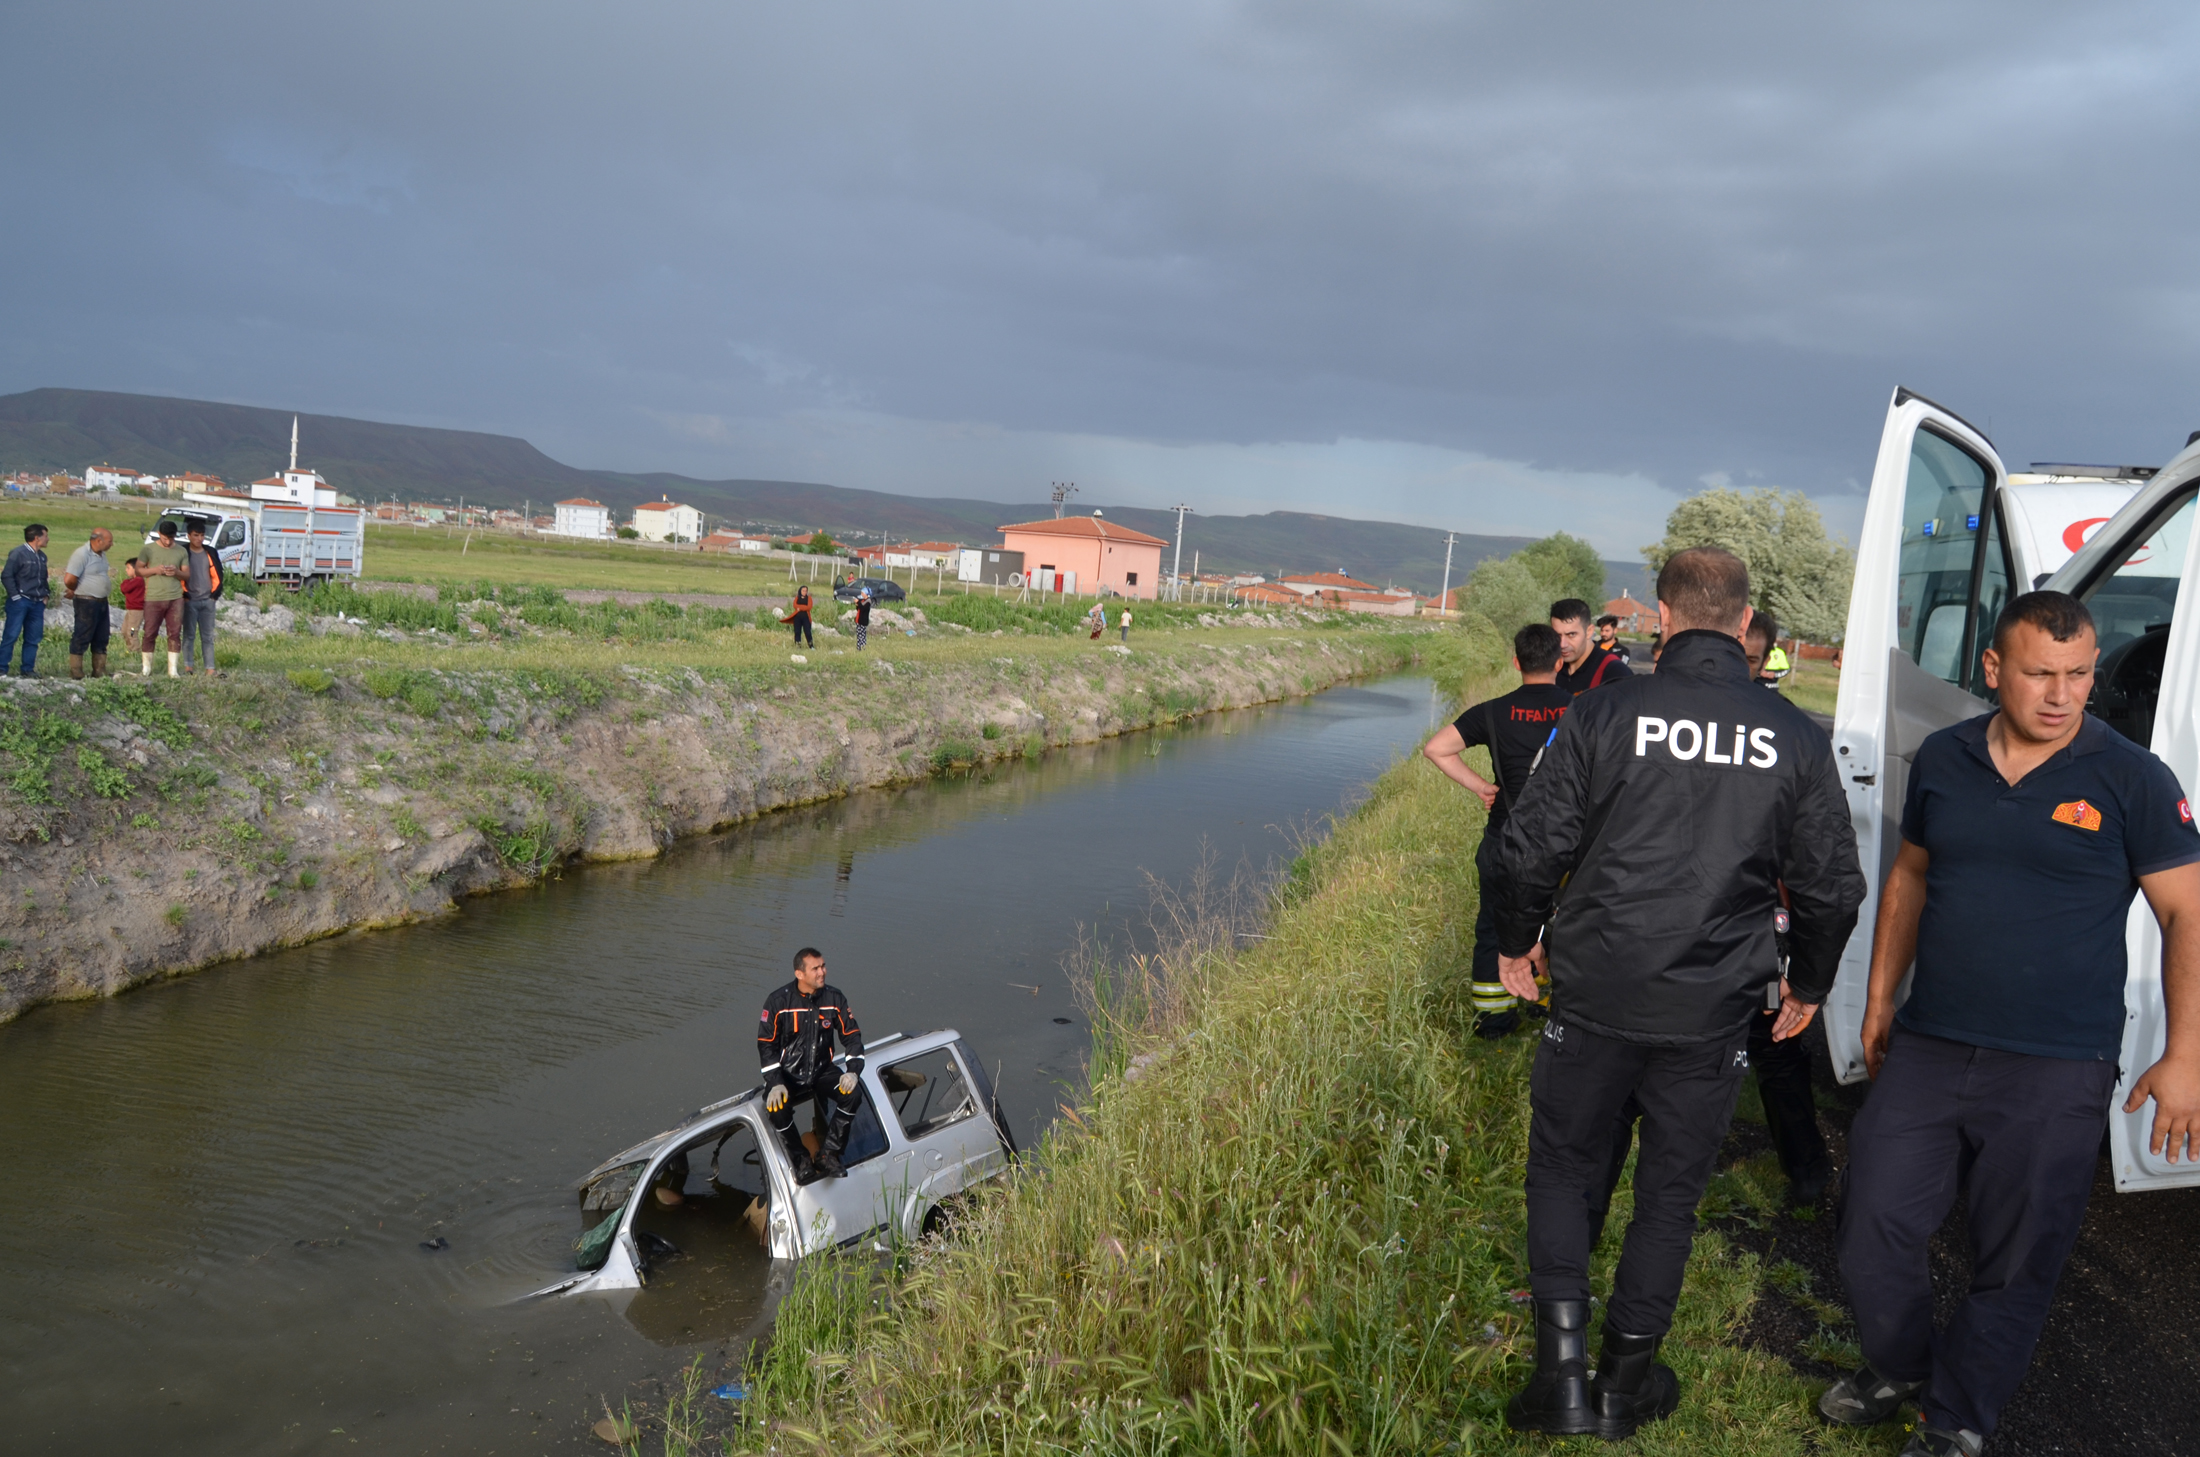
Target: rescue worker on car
{"x":1670,"y":808}
{"x":795,"y":1046}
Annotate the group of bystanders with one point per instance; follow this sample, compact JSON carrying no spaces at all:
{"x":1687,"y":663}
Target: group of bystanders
{"x":1668,"y":877}
{"x":167,"y":588}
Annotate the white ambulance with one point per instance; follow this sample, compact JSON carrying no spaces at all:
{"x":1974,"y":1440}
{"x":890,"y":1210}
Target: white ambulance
{"x":1949,"y":534}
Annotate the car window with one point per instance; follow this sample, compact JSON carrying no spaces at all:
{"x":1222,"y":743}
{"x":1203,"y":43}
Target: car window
{"x":928,"y":1093}
{"x":232,"y":534}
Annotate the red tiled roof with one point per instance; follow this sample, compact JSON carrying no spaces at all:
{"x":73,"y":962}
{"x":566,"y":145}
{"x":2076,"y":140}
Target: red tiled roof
{"x":646,"y":506}
{"x":1261,"y":592}
{"x":582,"y":501}
{"x":1332,"y":579}
{"x":1086,"y":526}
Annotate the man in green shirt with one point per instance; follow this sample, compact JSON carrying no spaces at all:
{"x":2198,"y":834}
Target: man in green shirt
{"x":162,"y":565}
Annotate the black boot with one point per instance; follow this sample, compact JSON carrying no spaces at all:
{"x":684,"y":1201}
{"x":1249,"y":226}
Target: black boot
{"x":798,"y":1157}
{"x":828,"y":1163}
{"x":1556,"y":1399}
{"x":1632,"y":1386}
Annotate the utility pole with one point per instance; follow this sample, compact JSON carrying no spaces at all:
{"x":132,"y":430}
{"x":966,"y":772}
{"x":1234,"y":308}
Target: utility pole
{"x":1176,"y":566}
{"x":1448,"y":540}
{"x":1063,"y":490}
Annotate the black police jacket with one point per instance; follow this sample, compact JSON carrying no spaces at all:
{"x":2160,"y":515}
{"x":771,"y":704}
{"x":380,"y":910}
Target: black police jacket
{"x":1654,"y":837}
{"x":798,"y":1032}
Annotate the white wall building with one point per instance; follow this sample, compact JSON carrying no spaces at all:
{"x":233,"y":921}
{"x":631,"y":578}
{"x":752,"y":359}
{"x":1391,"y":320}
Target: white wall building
{"x":666,"y":519}
{"x":583,"y":517}
{"x":109,"y":477}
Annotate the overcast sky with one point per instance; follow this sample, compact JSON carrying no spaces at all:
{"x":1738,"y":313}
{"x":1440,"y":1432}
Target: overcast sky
{"x":1502,"y":268}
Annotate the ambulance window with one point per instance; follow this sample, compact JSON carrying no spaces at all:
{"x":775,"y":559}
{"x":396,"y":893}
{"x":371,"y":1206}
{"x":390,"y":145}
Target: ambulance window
{"x":1993,"y":595}
{"x":2141,"y":593}
{"x":1940,"y":537}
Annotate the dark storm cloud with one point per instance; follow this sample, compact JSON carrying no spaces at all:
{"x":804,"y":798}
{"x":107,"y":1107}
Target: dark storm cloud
{"x":1611,"y":240}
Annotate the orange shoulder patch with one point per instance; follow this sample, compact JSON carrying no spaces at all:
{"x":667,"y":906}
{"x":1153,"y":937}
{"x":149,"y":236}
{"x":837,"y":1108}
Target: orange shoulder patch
{"x":2078,"y":813}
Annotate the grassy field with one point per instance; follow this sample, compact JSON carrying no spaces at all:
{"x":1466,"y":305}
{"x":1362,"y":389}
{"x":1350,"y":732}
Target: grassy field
{"x":449,"y":555}
{"x":1287,"y":1218}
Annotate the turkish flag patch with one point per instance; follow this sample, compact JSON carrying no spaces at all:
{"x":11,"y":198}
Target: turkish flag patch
{"x":2078,"y":812}
{"x":2184,"y":810}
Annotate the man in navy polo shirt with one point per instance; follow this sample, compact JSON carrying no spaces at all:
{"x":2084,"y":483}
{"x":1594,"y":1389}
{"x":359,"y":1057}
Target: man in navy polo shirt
{"x":2024,"y":837}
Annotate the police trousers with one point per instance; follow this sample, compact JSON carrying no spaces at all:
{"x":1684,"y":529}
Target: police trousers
{"x":1580,"y":1084}
{"x":2020,"y":1135}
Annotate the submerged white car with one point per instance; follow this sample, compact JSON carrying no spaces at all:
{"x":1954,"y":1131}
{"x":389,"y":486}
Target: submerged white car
{"x":928,"y":1128}
{"x":1949,"y":534}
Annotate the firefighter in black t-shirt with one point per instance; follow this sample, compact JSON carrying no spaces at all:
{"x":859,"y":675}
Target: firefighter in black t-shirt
{"x":1583,"y":662}
{"x":1514,"y":728}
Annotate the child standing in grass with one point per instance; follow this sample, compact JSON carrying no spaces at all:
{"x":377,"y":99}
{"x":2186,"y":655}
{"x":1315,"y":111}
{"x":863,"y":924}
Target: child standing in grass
{"x":133,"y":604}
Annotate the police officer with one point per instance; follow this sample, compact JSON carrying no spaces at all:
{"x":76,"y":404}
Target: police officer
{"x":1670,"y":808}
{"x":795,"y":1046}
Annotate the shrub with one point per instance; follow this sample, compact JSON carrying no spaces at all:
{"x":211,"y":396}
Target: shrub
{"x":384,"y":682}
{"x":628,"y":533}
{"x":990,"y":732}
{"x":227,"y":658}
{"x":175,"y":915}
{"x":312,"y":680}
{"x":422,"y":699}
{"x":953,"y":752}
{"x":307,"y":880}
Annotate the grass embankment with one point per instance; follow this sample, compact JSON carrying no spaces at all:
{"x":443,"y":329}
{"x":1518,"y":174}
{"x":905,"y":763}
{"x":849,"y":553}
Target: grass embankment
{"x":349,"y":772}
{"x":1287,"y":1217}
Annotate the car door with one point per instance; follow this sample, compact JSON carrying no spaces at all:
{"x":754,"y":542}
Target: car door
{"x":2135,"y":573}
{"x":1932,"y":573}
{"x":947,"y":1138}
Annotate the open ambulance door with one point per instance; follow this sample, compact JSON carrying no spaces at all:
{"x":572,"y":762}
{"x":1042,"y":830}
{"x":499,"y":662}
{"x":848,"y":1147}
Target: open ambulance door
{"x":1932,"y":573}
{"x":2133,"y":574}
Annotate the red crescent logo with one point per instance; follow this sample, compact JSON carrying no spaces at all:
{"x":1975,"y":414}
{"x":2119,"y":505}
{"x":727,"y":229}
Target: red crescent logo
{"x":2078,"y":533}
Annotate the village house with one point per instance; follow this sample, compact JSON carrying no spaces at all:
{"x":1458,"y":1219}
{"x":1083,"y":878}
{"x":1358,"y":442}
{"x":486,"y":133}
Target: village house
{"x":1091,"y":554}
{"x":108,"y":477}
{"x":1309,"y":584}
{"x":668,"y":520}
{"x":734,"y":541}
{"x":1636,"y":619}
{"x":192,"y":481}
{"x":583,"y":517}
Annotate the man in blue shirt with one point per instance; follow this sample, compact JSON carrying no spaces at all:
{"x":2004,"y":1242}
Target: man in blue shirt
{"x":2024,"y":837}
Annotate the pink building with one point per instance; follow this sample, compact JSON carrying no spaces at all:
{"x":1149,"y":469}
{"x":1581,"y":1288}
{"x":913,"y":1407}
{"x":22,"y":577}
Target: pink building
{"x":1101,"y":553}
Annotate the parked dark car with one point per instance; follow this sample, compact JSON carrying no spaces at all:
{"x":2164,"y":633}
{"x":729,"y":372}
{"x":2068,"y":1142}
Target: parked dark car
{"x":882,"y":590}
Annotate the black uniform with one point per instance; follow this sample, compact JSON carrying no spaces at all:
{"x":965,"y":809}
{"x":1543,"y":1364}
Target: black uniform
{"x":1599,"y":667}
{"x":1514,"y":728}
{"x":1671,"y":808}
{"x":795,"y":1044}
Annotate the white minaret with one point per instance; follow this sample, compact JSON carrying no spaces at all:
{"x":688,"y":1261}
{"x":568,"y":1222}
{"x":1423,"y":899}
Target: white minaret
{"x":294,"y":442}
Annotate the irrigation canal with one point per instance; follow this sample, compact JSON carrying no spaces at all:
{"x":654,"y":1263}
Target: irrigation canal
{"x":218,"y":1189}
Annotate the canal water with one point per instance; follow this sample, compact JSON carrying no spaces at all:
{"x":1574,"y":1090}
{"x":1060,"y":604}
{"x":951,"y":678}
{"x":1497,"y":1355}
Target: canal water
{"x":218,"y":1190}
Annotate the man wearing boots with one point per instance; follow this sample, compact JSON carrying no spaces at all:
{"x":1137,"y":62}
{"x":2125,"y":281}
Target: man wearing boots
{"x":1515,"y":728}
{"x":162,"y":565}
{"x":1654,"y":837}
{"x":87,"y":584}
{"x":795,"y":1045}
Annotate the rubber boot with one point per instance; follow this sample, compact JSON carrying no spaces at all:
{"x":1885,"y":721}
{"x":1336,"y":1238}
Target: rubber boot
{"x":173,"y":659}
{"x":1556,"y":1399}
{"x":1632,"y":1386}
{"x":147,"y":671}
{"x":837,"y":1124}
{"x":76,"y":665}
{"x":797,"y":1154}
{"x":99,"y":666}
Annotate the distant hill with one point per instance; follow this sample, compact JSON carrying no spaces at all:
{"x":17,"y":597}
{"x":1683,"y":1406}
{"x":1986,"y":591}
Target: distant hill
{"x":58,"y":429}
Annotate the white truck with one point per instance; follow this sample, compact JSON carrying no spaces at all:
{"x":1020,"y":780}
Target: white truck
{"x":298,"y":542}
{"x":1949,"y":533}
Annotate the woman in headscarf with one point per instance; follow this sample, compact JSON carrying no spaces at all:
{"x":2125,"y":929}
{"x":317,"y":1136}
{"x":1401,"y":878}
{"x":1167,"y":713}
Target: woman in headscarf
{"x":800,"y":617}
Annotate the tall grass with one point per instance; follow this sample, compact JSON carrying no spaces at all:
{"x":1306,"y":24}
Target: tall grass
{"x":1287,"y":1217}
